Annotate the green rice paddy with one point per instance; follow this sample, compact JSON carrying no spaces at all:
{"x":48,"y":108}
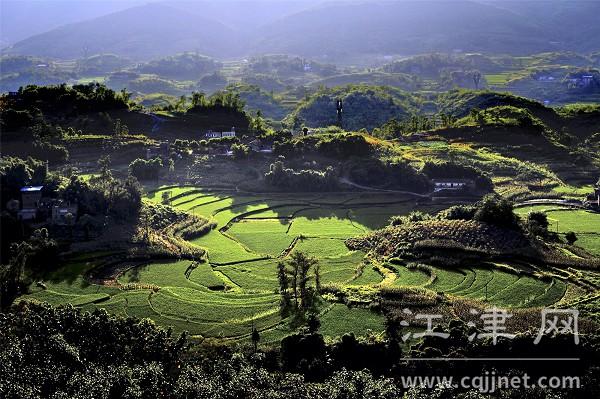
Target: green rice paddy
{"x":585,"y":224}
{"x":238,"y":288}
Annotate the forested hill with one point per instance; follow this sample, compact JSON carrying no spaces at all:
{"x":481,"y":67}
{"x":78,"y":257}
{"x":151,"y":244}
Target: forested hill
{"x":333,"y":30}
{"x":140,"y":33}
{"x":417,"y":27}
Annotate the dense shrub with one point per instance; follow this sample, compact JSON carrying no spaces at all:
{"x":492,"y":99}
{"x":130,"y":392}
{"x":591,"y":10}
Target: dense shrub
{"x":52,"y":153}
{"x":386,"y":174}
{"x":364,"y":107}
{"x":498,"y":212}
{"x":184,"y":66}
{"x":61,"y":352}
{"x":458,"y":212}
{"x":68,"y":100}
{"x":104,"y":196}
{"x":240,"y":151}
{"x":16,"y":173}
{"x":537,"y":223}
{"x":342,"y":145}
{"x":304,"y":180}
{"x":144,"y":169}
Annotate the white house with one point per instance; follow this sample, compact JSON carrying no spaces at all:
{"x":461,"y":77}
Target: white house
{"x":212,"y":135}
{"x":452,"y":184}
{"x":30,"y":201}
{"x":229,"y":134}
{"x":217,"y":135}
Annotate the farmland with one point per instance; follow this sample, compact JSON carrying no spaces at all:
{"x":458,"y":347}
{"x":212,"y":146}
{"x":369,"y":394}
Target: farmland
{"x":585,"y":224}
{"x":237,"y":288}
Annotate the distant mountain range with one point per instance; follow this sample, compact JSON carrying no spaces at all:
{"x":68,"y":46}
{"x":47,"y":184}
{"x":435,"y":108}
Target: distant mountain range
{"x":330,"y":30}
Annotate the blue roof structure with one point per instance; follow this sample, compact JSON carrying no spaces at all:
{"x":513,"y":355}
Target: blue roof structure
{"x":31,"y":189}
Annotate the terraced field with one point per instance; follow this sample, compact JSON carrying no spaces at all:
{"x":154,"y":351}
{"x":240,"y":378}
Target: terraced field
{"x":585,"y":224}
{"x":237,"y":288}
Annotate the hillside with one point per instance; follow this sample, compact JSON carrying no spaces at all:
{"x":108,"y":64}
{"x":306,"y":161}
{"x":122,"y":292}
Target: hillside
{"x":403,"y":28}
{"x":184,"y":66}
{"x":364,"y":107}
{"x":143,"y":32}
{"x":399,"y":80}
{"x":450,"y":234}
{"x":460,"y":102}
{"x":256,"y":99}
{"x":250,"y":28}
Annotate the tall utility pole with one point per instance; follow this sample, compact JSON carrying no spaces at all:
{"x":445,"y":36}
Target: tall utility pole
{"x":339,"y":105}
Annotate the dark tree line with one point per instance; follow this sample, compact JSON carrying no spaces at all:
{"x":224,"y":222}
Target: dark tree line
{"x":62,"y":352}
{"x":288,"y":179}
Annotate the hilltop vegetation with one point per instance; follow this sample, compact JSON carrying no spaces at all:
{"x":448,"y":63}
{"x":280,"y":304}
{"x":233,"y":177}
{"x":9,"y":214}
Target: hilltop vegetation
{"x":285,"y":67}
{"x":184,"y":66}
{"x":364,"y":107}
{"x":100,"y":64}
{"x":256,"y":99}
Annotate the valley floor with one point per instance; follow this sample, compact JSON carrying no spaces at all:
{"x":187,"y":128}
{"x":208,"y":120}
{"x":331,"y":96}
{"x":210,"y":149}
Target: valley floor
{"x":237,"y":289}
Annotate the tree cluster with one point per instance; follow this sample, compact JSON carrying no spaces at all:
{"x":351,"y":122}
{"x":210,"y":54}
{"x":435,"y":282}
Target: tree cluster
{"x":103,"y":195}
{"x":297,"y":297}
{"x":288,"y":179}
{"x":387,"y":174}
{"x":342,"y":145}
{"x":143,"y":169}
{"x":62,"y":352}
{"x":63,"y":100}
{"x":27,"y":258}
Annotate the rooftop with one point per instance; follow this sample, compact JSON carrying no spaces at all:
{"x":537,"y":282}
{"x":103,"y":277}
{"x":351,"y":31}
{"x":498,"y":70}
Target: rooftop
{"x":30,"y":189}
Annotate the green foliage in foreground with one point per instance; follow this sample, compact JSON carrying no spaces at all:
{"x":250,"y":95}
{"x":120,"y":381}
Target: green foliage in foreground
{"x":60,"y":352}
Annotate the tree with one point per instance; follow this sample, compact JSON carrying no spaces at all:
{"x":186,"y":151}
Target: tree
{"x":285,"y":302}
{"x":537,"y":223}
{"x":571,"y":237}
{"x":146,"y":222}
{"x":317,"y":273}
{"x":495,"y":211}
{"x":392,"y":329}
{"x":476,"y":79}
{"x":255,"y":336}
{"x":125,"y":95}
{"x":313,"y":323}
{"x":87,"y":223}
{"x":294,"y":277}
{"x":257,"y":125}
{"x":166,"y":198}
{"x":105,"y":176}
{"x":198,"y":99}
{"x":301,"y":264}
{"x":11,"y":275}
{"x":120,"y":129}
{"x":240,"y":151}
{"x":293,"y":273}
{"x":180,"y":105}
{"x":146,"y":169}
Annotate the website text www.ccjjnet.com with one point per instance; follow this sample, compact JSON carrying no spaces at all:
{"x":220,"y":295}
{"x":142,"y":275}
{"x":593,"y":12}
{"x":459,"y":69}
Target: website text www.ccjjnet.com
{"x":490,"y":382}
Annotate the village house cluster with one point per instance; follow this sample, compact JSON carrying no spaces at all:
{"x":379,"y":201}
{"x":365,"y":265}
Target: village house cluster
{"x":34,"y":207}
{"x":219,"y":135}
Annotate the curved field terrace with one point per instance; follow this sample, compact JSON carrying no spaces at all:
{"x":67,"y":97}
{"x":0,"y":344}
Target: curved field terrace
{"x":237,"y":288}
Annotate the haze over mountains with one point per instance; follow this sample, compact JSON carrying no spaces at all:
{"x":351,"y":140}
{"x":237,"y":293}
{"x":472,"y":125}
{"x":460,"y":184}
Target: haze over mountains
{"x":308,"y":28}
